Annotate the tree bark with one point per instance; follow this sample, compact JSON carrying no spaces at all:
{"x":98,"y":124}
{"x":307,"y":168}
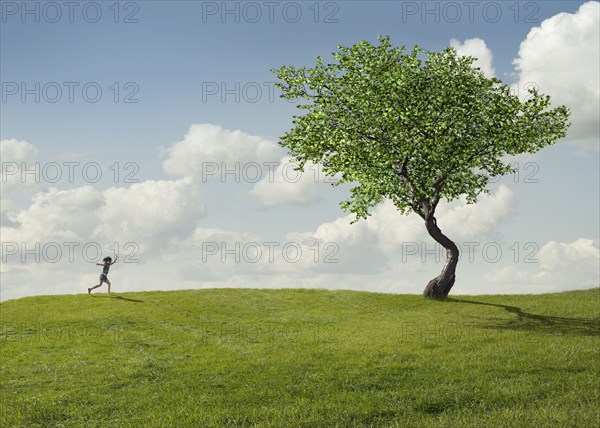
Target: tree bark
{"x":440,"y":286}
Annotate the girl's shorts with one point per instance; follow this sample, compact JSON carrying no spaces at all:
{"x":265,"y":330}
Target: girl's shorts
{"x":103,"y":278}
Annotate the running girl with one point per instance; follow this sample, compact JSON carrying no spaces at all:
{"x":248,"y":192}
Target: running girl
{"x":108,"y":262}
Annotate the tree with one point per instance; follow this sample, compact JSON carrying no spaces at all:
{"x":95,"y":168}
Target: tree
{"x":413,"y":127}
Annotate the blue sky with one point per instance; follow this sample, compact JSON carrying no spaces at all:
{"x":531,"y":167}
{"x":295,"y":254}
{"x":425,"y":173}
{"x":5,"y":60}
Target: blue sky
{"x":175,"y":57}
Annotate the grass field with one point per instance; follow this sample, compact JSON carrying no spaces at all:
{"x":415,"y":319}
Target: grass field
{"x":300,"y":358}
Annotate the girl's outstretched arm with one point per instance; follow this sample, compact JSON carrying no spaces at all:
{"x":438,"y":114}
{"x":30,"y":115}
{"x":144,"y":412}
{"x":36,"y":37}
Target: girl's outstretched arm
{"x":115,"y":261}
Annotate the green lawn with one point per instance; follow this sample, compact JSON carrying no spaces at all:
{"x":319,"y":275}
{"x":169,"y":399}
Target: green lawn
{"x":300,"y":358}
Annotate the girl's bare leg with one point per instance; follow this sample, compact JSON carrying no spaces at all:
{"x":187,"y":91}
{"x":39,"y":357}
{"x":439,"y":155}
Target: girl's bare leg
{"x":108,"y":282}
{"x":94,"y":287}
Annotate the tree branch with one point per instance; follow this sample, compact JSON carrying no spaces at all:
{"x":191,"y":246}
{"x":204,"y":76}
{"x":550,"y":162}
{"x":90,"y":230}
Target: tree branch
{"x":437,"y":186}
{"x":418,"y":205}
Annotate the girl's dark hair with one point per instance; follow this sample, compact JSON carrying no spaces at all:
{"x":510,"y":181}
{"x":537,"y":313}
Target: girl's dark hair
{"x":107,"y":259}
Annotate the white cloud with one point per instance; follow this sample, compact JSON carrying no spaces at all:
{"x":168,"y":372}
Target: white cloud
{"x":17,"y":151}
{"x":7,"y":208}
{"x":139,"y":214}
{"x":207,"y":146}
{"x":458,"y":220}
{"x":477,"y":48}
{"x":212,"y":254}
{"x":18,"y":156}
{"x":56,"y":215}
{"x":200,"y":236}
{"x":220,"y":254}
{"x":393,"y":253}
{"x":287,"y":186}
{"x":475,"y":221}
{"x":557,"y":266}
{"x":557,"y":254}
{"x":562,"y":58}
{"x":147,"y":209}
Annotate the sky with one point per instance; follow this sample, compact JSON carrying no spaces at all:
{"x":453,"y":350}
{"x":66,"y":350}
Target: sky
{"x":149,"y":129}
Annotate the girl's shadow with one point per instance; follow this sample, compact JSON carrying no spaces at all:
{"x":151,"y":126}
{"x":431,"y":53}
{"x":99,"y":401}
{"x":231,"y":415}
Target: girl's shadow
{"x":116,"y":296}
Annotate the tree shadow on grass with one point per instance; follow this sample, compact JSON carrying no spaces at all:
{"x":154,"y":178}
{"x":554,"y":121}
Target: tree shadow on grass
{"x":542,"y":323}
{"x":116,"y":296}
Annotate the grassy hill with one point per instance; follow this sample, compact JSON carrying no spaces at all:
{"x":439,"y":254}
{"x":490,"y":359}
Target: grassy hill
{"x":300,"y":358}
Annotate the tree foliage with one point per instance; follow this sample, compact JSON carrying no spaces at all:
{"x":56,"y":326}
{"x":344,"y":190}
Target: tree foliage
{"x":412,"y":126}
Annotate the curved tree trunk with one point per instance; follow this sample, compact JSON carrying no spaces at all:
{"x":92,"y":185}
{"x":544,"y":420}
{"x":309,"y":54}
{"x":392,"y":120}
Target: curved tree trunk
{"x":440,"y":286}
